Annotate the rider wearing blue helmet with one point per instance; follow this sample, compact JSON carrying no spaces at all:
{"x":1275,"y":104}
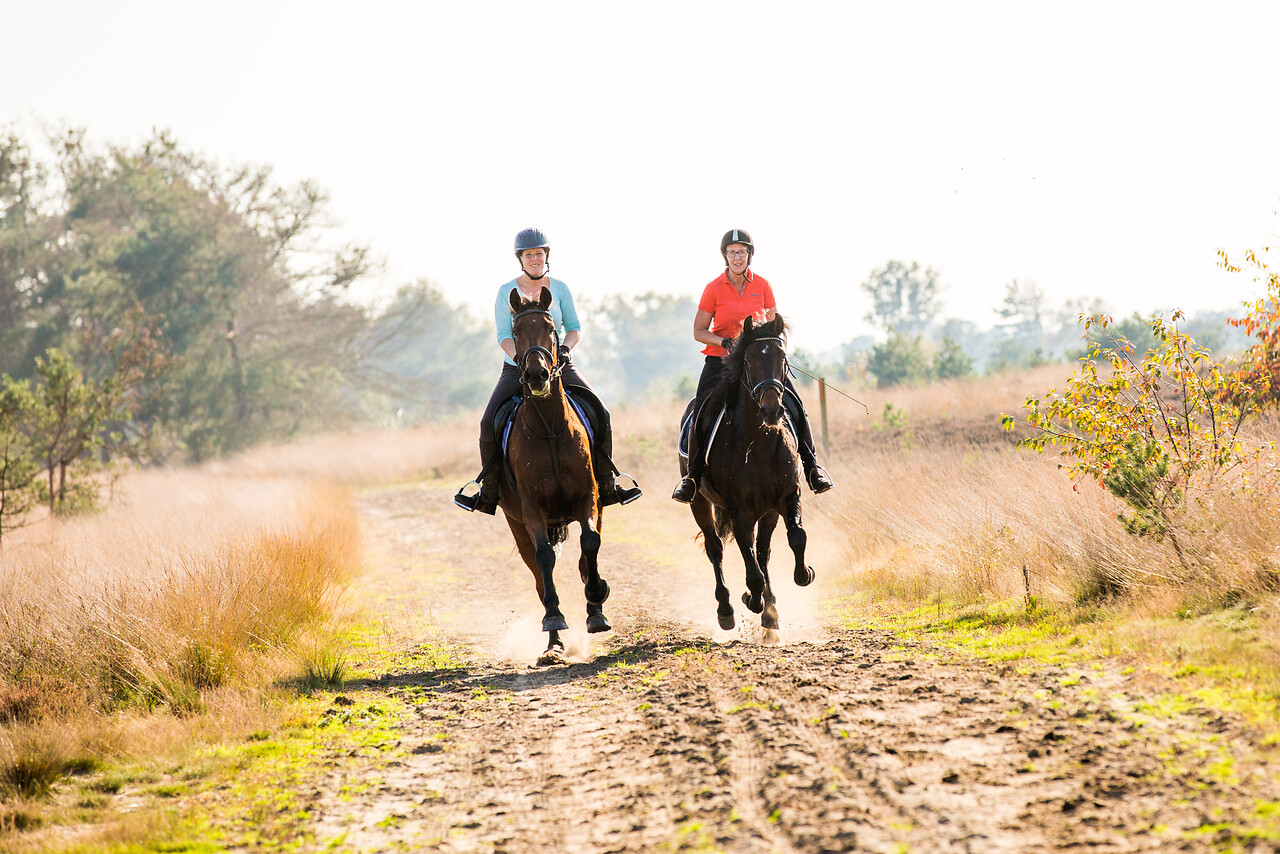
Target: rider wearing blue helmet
{"x":533,"y":251}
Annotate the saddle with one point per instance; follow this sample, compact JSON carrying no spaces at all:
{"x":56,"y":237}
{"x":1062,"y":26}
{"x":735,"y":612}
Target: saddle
{"x":708,"y":423}
{"x":582,"y":401}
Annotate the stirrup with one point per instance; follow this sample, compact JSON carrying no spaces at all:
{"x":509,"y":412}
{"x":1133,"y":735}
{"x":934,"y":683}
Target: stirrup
{"x":626,"y":494}
{"x":689,"y":485}
{"x":472,"y":503}
{"x":818,"y":479}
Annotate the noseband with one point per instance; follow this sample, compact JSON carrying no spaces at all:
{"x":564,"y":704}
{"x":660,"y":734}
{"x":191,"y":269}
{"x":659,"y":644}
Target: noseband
{"x":757,"y":391}
{"x":523,"y":359}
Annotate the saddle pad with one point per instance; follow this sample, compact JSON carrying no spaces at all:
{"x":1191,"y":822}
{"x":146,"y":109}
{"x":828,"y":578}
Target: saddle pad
{"x":507,"y":417}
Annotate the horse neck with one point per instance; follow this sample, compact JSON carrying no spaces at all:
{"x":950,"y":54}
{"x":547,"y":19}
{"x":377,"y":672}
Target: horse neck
{"x":553,"y":409}
{"x":748,"y":416}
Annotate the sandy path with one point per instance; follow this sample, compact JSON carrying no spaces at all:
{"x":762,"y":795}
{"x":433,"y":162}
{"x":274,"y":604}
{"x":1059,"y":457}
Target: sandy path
{"x":668,"y":734}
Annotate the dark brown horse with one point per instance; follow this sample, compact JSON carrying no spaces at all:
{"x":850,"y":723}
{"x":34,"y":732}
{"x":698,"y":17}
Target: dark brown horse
{"x":555,"y":484}
{"x":752,"y":476}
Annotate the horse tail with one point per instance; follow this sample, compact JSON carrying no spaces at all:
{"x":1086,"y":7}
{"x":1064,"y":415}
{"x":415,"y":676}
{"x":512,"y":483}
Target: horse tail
{"x":723,"y":531}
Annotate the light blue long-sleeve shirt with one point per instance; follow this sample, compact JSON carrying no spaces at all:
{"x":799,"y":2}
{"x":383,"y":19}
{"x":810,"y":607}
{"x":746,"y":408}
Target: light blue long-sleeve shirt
{"x":562,"y":310}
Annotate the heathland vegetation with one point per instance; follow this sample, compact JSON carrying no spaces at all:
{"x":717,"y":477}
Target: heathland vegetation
{"x":191,"y":388}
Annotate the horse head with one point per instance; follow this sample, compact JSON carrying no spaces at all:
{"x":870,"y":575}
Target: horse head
{"x":537,"y":341}
{"x":764,"y":365}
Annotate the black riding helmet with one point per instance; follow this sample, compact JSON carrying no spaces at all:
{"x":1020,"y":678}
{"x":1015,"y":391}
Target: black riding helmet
{"x":737,"y":235}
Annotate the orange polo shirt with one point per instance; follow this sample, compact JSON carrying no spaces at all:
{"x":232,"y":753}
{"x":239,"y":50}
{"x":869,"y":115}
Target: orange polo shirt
{"x":728,"y":309}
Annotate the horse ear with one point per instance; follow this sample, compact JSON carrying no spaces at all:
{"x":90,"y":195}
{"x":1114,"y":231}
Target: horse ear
{"x":777,"y":324}
{"x":544,"y":299}
{"x":515,"y":299}
{"x":748,"y":324}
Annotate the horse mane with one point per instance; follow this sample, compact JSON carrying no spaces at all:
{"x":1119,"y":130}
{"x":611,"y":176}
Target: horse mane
{"x":731,"y":373}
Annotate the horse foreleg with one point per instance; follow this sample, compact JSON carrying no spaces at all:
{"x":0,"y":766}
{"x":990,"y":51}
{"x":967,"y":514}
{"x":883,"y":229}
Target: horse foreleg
{"x":744,"y":533}
{"x":764,"y":546}
{"x":554,"y":653}
{"x":704,"y":515}
{"x":545,"y":556}
{"x":797,"y":539}
{"x":595,"y":587}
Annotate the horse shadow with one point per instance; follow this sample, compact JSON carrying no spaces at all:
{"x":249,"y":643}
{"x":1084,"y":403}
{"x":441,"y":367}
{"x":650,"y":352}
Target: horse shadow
{"x":465,"y":680}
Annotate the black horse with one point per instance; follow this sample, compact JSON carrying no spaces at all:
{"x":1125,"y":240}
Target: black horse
{"x":752,"y":474}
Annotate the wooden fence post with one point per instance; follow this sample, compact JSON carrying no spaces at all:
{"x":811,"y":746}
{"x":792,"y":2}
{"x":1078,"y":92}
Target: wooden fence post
{"x":822,"y":401}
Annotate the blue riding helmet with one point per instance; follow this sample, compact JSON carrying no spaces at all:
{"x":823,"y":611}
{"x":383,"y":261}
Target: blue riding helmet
{"x":532,"y":238}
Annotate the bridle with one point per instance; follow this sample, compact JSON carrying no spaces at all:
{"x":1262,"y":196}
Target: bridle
{"x":757,"y":391}
{"x":522,"y":359}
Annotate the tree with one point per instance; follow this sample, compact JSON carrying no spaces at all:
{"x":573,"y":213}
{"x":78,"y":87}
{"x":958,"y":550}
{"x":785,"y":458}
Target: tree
{"x":17,"y":470}
{"x":950,"y":362}
{"x":898,"y":360}
{"x":642,"y":342}
{"x":421,"y":356}
{"x":62,"y":420}
{"x":903,"y":299}
{"x":1023,"y":310}
{"x":229,"y":270}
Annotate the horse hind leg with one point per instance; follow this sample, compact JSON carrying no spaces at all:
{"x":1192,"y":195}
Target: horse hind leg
{"x":595,"y":587}
{"x":798,"y":539}
{"x":705,"y":517}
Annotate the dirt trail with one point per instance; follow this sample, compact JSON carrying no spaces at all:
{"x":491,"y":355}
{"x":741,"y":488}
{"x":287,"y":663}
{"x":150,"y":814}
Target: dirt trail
{"x":668,"y":734}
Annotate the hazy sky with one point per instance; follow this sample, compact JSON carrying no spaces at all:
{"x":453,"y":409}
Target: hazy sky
{"x":1101,"y":149}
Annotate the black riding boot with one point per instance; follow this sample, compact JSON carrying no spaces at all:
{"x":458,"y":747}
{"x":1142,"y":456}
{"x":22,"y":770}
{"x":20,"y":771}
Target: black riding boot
{"x":687,"y":488}
{"x":486,"y":500}
{"x":814,"y":475}
{"x":606,"y":481}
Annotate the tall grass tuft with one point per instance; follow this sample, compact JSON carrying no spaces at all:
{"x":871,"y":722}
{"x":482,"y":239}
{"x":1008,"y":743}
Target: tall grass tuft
{"x":180,"y":590}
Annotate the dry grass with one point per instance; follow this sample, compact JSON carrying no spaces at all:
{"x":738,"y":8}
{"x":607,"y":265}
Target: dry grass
{"x":184,"y":597}
{"x":936,"y":501}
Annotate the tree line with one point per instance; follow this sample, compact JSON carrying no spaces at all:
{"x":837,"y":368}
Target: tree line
{"x":919,"y":344}
{"x":158,"y":306}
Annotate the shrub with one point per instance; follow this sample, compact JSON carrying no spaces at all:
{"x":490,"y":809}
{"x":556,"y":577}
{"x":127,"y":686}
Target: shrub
{"x":1155,"y":432}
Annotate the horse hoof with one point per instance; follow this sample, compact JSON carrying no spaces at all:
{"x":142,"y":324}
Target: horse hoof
{"x":597,"y":623}
{"x":554,"y":655}
{"x":755,"y":605}
{"x":770,"y":637}
{"x":554,"y":623}
{"x":804,"y":576}
{"x":726,"y":619}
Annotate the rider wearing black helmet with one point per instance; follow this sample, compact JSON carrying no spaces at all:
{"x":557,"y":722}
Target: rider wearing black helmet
{"x":533,"y":251}
{"x":728,"y":300}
